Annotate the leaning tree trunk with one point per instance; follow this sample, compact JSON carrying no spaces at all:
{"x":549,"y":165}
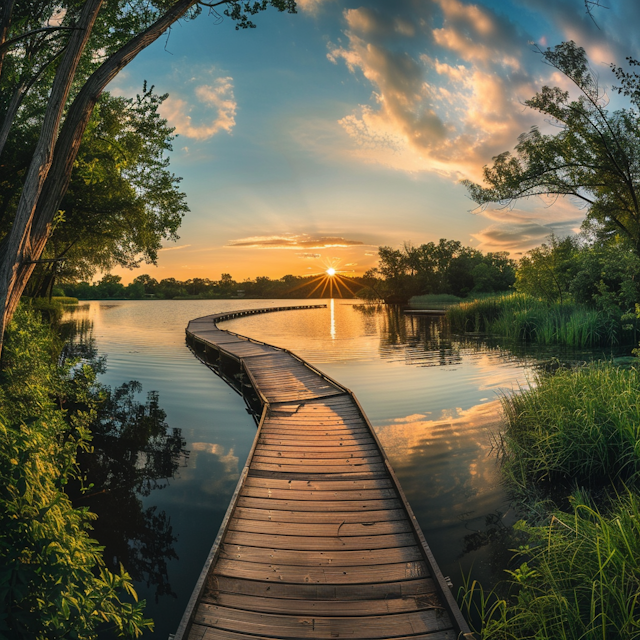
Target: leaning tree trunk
{"x":50,"y":173}
{"x":16,"y":247}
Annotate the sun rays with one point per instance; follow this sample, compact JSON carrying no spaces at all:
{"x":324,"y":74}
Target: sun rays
{"x":330,"y":283}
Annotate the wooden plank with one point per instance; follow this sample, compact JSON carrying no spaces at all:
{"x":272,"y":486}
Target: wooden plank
{"x":342,"y":592}
{"x":335,"y":485}
{"x":426,"y":621}
{"x":266,"y":514}
{"x":331,"y":608}
{"x":303,"y":439}
{"x":314,"y":494}
{"x":321,"y":505}
{"x":317,"y":543}
{"x":321,"y":575}
{"x":324,"y":558}
{"x":338,"y":530}
{"x":336,"y":459}
{"x":329,"y":447}
{"x":305,"y":468}
{"x":209,"y":633}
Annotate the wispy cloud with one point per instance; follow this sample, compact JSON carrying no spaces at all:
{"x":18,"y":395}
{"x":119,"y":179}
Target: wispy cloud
{"x":293,"y":241}
{"x":519,"y":230}
{"x":181,"y":246}
{"x":309,"y":256}
{"x":217,"y":97}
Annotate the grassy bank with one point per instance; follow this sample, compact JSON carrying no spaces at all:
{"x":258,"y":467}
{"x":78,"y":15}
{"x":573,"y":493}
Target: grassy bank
{"x":570,"y":451}
{"x":522,"y":317}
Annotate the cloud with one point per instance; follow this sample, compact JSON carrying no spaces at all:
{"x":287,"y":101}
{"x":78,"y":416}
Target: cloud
{"x":309,"y":256}
{"x":217,"y":96}
{"x":181,"y":246}
{"x":519,"y":230}
{"x":447,"y":94}
{"x":292,"y":241}
{"x":311,"y":6}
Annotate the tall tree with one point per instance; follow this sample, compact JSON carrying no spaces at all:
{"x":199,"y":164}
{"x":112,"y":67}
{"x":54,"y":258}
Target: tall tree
{"x":125,"y":29}
{"x":594,"y":158}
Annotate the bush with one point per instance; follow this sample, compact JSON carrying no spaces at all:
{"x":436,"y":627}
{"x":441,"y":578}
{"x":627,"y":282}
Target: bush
{"x":53,"y":582}
{"x":579,"y":579}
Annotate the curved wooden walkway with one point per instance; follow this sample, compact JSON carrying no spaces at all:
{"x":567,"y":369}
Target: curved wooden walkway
{"x":319,"y":540}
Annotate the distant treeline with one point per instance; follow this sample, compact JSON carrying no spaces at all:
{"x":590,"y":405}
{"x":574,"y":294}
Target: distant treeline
{"x":145,"y":286}
{"x":447,"y":267}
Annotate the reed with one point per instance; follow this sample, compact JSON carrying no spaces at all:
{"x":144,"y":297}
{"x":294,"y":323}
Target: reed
{"x":522,"y":317}
{"x":578,"y":579}
{"x":579,"y":426}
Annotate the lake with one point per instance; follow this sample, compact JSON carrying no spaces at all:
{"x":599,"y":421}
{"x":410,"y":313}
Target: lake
{"x":433,"y":398}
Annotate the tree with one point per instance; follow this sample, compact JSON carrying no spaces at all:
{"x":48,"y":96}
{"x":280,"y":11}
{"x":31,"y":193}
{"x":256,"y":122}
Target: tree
{"x":593,"y":158}
{"x":91,"y":36}
{"x":548,"y":270}
{"x":122,"y":200}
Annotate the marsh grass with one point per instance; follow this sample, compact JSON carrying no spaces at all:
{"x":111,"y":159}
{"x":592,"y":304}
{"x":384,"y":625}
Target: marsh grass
{"x":522,"y":317}
{"x":577,"y":426}
{"x":578,"y":579}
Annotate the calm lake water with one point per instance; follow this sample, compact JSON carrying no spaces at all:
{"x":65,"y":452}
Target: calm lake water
{"x":432,"y":398}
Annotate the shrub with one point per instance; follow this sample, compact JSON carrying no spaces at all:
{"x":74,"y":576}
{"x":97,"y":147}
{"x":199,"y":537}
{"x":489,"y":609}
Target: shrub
{"x":53,"y":582}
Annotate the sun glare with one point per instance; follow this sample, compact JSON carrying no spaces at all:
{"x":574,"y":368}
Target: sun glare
{"x":331,"y":271}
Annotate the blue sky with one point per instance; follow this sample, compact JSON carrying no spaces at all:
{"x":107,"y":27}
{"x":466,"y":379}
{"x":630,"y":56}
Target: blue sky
{"x":316,"y":137}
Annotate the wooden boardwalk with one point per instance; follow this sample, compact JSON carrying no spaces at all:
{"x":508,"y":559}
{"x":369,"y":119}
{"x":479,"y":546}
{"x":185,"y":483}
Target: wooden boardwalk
{"x":319,"y":540}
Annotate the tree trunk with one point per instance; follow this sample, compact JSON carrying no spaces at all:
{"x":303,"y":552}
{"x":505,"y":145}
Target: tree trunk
{"x":49,"y":175}
{"x":5,"y":23}
{"x":17,"y":255}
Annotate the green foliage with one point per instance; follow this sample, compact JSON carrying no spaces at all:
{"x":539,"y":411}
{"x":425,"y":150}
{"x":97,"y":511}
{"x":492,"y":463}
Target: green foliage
{"x":53,"y":582}
{"x":577,"y":426}
{"x":522,"y":317}
{"x":444,"y":268}
{"x":547,"y":271}
{"x":578,"y":579}
{"x":592,"y":158}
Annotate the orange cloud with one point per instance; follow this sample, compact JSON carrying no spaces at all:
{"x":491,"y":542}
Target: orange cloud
{"x":291,"y":241}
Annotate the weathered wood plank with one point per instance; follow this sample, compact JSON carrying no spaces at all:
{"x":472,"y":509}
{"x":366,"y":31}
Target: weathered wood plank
{"x":317,"y":543}
{"x":321,"y":575}
{"x":340,"y":530}
{"x":331,"y":592}
{"x":210,"y":633}
{"x":267,"y":514}
{"x":331,"y":608}
{"x":426,"y":621}
{"x":330,"y":485}
{"x":314,"y":494}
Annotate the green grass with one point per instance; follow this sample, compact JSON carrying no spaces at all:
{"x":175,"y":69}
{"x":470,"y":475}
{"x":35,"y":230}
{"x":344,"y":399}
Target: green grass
{"x":521,"y":317}
{"x":578,"y":579}
{"x":444,"y":300}
{"x":576,"y":426}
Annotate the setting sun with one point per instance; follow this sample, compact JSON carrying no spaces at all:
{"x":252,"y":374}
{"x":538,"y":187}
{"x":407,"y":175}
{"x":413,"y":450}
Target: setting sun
{"x":331,"y":271}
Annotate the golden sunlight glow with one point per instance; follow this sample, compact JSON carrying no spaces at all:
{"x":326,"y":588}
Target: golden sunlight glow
{"x":331,"y":271}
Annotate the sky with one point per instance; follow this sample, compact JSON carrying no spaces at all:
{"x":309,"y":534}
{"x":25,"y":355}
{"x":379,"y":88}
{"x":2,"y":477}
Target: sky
{"x":315,"y":138}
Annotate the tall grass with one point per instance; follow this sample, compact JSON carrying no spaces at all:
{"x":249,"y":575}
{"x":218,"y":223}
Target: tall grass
{"x":521,"y":317}
{"x":579,"y":426}
{"x":579,"y":579}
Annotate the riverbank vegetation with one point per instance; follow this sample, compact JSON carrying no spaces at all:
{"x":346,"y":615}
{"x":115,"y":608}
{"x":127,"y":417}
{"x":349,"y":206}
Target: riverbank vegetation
{"x":570,"y":292}
{"x":54,"y":582}
{"x":569,"y":444}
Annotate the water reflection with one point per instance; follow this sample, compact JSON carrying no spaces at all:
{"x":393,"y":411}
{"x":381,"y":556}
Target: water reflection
{"x":134,"y":452}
